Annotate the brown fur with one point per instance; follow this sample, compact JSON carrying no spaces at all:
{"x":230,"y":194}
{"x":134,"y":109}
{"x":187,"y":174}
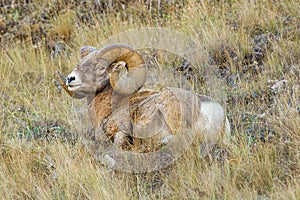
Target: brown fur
{"x":171,"y":111}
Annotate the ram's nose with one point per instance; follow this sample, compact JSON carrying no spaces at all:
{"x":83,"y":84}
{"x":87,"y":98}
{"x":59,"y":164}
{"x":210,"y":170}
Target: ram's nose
{"x":70,"y":79}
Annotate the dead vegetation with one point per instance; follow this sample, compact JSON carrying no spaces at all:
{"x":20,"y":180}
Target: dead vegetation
{"x":254,"y":47}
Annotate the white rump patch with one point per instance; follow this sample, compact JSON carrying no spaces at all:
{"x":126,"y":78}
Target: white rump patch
{"x":212,"y":120}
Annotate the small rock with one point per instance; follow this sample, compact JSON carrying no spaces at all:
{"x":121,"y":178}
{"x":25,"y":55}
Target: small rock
{"x":277,"y":87}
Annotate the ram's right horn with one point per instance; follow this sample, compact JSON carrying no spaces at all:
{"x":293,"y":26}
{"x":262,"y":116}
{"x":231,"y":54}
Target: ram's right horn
{"x":129,"y":63}
{"x":125,"y":81}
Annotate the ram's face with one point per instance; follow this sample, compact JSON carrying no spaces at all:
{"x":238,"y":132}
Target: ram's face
{"x":89,"y":76}
{"x":119,"y":66}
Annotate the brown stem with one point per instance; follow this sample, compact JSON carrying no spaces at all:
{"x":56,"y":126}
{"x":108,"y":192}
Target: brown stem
{"x":62,"y":82}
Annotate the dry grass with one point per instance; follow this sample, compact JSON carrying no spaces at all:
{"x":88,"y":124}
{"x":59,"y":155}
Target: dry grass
{"x":41,"y":151}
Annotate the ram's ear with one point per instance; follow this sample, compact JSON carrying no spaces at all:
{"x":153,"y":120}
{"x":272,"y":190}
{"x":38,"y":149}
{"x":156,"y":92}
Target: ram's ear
{"x":86,"y":50}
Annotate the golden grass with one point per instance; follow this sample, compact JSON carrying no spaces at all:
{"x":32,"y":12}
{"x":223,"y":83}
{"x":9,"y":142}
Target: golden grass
{"x":41,"y":151}
{"x":64,"y":24}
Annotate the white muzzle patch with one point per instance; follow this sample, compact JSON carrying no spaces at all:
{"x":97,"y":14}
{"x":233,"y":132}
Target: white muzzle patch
{"x":73,"y":81}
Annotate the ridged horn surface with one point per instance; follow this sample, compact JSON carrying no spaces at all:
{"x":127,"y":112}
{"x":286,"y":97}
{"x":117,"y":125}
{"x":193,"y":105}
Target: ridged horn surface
{"x":136,"y":74}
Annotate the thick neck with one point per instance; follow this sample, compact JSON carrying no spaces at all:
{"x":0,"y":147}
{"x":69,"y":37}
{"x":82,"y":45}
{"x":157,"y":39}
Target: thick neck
{"x":99,"y":106}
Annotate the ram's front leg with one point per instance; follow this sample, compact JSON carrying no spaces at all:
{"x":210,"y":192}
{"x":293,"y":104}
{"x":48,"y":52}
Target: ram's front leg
{"x":119,"y":127}
{"x":122,"y":140}
{"x":102,"y":148}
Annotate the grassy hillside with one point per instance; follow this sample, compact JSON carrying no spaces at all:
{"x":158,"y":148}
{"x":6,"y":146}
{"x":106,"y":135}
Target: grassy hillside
{"x":252,"y":48}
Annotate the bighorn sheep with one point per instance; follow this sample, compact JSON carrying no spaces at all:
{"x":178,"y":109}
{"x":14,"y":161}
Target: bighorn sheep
{"x":108,"y":76}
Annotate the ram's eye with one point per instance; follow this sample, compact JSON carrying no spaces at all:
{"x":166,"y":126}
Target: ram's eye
{"x":77,"y":68}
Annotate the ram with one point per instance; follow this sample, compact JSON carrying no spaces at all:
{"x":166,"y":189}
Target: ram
{"x":133,"y":119}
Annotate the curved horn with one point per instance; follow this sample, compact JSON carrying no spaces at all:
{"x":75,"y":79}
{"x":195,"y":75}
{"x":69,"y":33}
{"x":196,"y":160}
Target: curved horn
{"x":136,"y":72}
